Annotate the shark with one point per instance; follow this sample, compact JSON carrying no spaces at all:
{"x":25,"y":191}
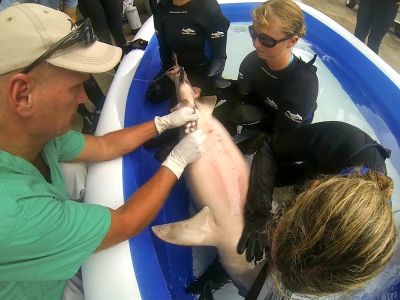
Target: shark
{"x":218,"y":183}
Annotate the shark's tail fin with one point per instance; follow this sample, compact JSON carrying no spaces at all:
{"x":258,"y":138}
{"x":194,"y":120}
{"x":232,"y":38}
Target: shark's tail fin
{"x":200,"y":230}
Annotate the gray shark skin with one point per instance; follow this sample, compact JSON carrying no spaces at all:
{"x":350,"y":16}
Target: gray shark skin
{"x":218,"y":182}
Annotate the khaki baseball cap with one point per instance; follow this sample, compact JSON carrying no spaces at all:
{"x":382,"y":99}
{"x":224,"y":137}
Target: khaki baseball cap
{"x":28,"y":30}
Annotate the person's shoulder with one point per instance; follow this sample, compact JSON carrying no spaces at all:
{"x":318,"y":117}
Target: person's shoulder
{"x":307,"y":66}
{"x":161,"y":8}
{"x":250,"y":61}
{"x":71,"y":134}
{"x":207,"y":6}
{"x":212,"y":3}
{"x":304,"y":71}
{"x":252,"y":58}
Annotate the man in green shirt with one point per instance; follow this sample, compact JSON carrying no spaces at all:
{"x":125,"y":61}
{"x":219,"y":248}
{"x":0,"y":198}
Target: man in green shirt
{"x":44,"y":236}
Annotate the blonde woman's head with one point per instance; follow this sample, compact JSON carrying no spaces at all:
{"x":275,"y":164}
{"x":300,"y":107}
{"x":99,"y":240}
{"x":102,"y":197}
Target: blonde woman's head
{"x":338,"y":235}
{"x":288,"y":13}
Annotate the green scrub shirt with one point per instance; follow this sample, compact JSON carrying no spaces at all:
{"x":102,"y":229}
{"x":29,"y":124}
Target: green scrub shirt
{"x":44,"y":236}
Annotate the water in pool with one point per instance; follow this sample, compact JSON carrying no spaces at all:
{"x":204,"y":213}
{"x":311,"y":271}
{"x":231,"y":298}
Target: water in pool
{"x":333,"y":104}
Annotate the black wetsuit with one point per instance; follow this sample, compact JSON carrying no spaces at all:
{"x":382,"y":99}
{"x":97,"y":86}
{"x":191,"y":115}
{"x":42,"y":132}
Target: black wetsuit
{"x":301,"y":154}
{"x":304,"y":153}
{"x":186,"y":29}
{"x":287,"y":97}
{"x":189,"y":30}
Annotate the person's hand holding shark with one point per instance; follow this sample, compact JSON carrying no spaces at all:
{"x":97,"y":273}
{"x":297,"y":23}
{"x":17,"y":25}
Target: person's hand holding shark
{"x":177,"y":74}
{"x":180,"y":115}
{"x":187,"y":116}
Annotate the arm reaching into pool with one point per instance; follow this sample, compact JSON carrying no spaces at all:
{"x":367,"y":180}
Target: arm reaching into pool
{"x":121,"y":142}
{"x":259,"y":204}
{"x":144,"y":204}
{"x":132,"y":217}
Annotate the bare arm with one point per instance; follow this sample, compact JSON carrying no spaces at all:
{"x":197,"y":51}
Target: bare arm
{"x":141,"y":208}
{"x":121,"y":142}
{"x":117,"y":143}
{"x":144,"y":204}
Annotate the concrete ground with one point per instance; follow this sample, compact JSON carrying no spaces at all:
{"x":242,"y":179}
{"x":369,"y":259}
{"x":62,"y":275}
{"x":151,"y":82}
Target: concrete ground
{"x":337,"y":10}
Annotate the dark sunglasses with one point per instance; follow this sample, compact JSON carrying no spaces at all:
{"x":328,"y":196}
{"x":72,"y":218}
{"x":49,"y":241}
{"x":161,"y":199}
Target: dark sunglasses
{"x":264,"y":39}
{"x":83,"y":33}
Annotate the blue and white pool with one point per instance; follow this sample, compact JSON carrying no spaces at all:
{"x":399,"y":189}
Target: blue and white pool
{"x":356,"y":87}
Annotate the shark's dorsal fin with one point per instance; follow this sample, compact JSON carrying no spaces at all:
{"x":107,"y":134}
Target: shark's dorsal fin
{"x":199,"y":230}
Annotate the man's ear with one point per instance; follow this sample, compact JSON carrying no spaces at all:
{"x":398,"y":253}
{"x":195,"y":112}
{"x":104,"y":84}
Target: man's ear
{"x":18,"y":93}
{"x":293,"y":41}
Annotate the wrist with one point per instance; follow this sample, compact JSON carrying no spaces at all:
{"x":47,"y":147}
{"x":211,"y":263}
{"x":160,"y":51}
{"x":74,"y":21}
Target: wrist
{"x":173,"y":166}
{"x":161,"y":124}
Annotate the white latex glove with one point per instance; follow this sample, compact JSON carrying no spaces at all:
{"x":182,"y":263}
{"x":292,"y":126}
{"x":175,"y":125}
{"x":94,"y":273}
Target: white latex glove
{"x":185,"y":152}
{"x":185,"y":115}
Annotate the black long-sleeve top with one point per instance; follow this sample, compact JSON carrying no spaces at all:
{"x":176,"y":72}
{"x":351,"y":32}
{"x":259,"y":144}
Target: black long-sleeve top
{"x":304,"y":153}
{"x":187,"y":29}
{"x":287,"y":97}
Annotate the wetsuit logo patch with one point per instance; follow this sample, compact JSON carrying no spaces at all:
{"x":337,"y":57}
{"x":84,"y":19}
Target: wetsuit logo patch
{"x":178,"y":12}
{"x":217,"y":35}
{"x":271,"y":103}
{"x":188,"y":31}
{"x":294,"y":117}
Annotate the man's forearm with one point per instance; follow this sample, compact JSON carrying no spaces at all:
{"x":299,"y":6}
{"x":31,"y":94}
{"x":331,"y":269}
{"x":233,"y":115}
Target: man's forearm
{"x":141,"y":208}
{"x":117,"y":143}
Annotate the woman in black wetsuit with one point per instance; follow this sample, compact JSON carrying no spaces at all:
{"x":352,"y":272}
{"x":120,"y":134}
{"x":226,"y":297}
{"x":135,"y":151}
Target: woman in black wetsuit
{"x":187,"y":28}
{"x":339,"y":231}
{"x":275,"y":87}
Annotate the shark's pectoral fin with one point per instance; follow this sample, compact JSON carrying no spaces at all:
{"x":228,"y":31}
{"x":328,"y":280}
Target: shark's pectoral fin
{"x":200,"y":230}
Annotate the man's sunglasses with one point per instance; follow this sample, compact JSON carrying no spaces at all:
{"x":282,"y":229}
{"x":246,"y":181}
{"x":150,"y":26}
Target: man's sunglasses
{"x":83,"y":33}
{"x":264,"y":39}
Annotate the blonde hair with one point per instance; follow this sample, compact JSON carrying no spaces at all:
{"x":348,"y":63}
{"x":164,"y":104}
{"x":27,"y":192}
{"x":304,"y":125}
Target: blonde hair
{"x":337,"y":236}
{"x":287,"y":11}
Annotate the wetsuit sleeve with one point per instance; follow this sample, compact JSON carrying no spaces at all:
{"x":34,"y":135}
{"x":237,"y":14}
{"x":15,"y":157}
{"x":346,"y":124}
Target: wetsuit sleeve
{"x":324,"y":148}
{"x":165,"y":50}
{"x":259,"y":204}
{"x":243,"y":81}
{"x":262,"y":183}
{"x":299,"y":103}
{"x":216,"y":28}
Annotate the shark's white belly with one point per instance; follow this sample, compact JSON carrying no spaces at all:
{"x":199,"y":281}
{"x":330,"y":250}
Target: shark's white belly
{"x":220,"y":181}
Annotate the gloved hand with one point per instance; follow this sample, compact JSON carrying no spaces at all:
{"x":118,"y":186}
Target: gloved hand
{"x":185,"y":115}
{"x":253,"y":239}
{"x":187,"y":151}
